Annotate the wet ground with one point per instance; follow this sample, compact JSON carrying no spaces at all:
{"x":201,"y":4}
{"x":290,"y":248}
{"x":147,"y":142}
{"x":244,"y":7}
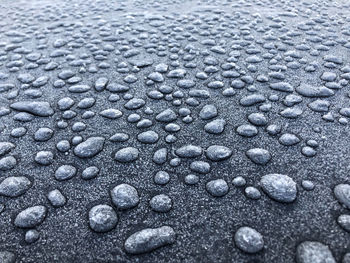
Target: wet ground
{"x":174,"y":131}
